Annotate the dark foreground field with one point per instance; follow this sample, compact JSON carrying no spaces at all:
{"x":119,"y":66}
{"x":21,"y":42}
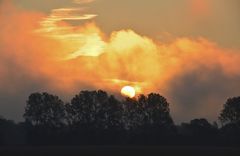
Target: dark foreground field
{"x":120,"y":150}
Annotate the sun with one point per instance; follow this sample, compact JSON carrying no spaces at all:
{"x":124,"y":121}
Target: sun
{"x":128,"y":91}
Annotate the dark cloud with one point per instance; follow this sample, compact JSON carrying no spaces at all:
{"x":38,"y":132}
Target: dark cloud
{"x":15,"y":91}
{"x":201,"y":93}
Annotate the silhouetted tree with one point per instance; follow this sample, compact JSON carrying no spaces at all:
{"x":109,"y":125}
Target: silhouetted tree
{"x":147,"y":119}
{"x":94,"y":109}
{"x":151,"y":110}
{"x":231,"y":111}
{"x":132,"y":116}
{"x":230,"y":118}
{"x":157,"y":108}
{"x":44,"y":110}
{"x":199,"y":127}
{"x":94,"y":117}
{"x":11,"y":133}
{"x":113,"y":113}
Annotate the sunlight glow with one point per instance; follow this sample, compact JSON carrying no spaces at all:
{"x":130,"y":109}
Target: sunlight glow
{"x":128,"y":91}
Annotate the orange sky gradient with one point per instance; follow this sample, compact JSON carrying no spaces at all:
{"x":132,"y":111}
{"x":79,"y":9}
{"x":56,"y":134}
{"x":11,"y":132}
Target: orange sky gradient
{"x":63,"y":57}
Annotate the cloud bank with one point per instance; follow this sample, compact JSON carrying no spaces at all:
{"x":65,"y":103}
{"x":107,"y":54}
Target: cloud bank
{"x":41,"y":52}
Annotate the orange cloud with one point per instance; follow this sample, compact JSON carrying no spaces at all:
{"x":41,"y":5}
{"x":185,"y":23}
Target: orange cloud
{"x":59,"y":49}
{"x":70,"y":58}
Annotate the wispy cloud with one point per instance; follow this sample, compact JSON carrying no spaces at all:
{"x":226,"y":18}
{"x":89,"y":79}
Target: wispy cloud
{"x":50,"y":25}
{"x":57,"y":26}
{"x":70,"y":14}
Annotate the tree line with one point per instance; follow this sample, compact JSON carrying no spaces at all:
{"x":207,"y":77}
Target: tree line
{"x":96,"y":118}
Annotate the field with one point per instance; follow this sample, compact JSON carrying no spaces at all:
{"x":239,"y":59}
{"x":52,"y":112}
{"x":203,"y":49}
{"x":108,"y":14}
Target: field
{"x":120,"y":150}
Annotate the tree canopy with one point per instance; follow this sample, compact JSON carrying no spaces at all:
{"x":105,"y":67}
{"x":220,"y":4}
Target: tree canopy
{"x":231,"y":111}
{"x":44,"y":110}
{"x":95,"y":117}
{"x":94,"y":108}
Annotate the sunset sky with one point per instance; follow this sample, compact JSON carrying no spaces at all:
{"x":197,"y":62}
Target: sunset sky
{"x":186,"y":50}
